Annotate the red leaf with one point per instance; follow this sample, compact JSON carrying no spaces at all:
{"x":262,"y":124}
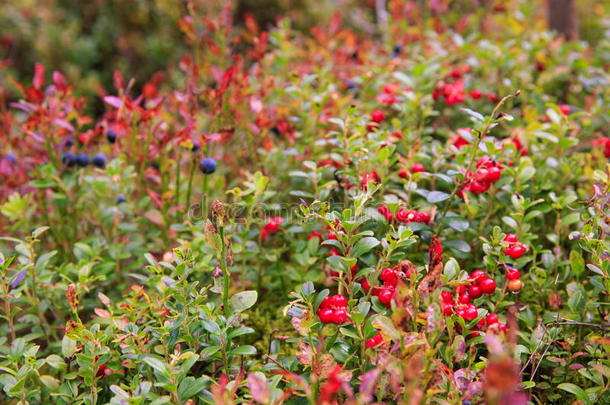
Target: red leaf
{"x":113,"y":101}
{"x":38,"y":80}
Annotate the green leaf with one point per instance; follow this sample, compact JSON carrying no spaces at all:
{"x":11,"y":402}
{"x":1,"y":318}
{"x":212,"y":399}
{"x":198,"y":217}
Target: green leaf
{"x":526,"y":173}
{"x":363,"y":246}
{"x":457,"y":223}
{"x":68,"y":347}
{"x":243,"y":351}
{"x":437,"y":196}
{"x":576,"y":390}
{"x":243,"y":300}
{"x":157,"y":365}
{"x":577,"y":262}
{"x":458,"y":244}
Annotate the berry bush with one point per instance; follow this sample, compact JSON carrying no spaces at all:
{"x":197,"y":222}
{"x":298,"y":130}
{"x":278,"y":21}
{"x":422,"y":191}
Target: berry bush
{"x":419,"y":215}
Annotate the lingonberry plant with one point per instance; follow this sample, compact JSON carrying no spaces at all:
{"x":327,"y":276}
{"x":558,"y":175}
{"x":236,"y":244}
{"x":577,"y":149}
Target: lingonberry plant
{"x":328,"y":217}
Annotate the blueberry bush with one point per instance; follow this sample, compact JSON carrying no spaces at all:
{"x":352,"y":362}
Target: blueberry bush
{"x":415,"y":216}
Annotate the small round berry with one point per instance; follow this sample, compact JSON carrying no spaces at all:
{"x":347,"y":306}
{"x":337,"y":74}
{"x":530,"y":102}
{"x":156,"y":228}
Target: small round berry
{"x":69,"y":142}
{"x":374,"y":341}
{"x":111,"y":136}
{"x":417,"y":168}
{"x":389,"y":277}
{"x":385,"y":296}
{"x":502,"y":327}
{"x":377,"y":116}
{"x":464,"y":298}
{"x":403,"y":173}
{"x":99,"y":160}
{"x":564,"y":108}
{"x":120,"y":199}
{"x":334,"y":252}
{"x":460,"y":289}
{"x":68,"y":159}
{"x":207,"y":165}
{"x":470,"y":314}
{"x":11,"y":158}
{"x":477,"y":187}
{"x":446,"y":296}
{"x":365,"y":285}
{"x":82,"y":159}
{"x":513,"y":274}
{"x":487,"y":285}
{"x":402,"y":215}
{"x":340,"y":316}
{"x":326,"y":302}
{"x":447,"y":309}
{"x":490,"y":319}
{"x":315,"y":235}
{"x":338,"y":300}
{"x":515,"y":285}
{"x":511,"y":238}
{"x":516,"y":251}
{"x":475,"y":291}
{"x":326,"y":315}
{"x":196,"y":146}
{"x":477,"y":275}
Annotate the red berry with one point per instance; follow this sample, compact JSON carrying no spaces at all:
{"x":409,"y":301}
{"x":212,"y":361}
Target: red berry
{"x":494,"y":174}
{"x":315,"y":235}
{"x":389,"y":277}
{"x":477,"y":187}
{"x":340,"y":316}
{"x":365,"y":285}
{"x":490,"y":319}
{"x":385,"y":296}
{"x":502,"y":327}
{"x":564,"y":108}
{"x":487,"y":285}
{"x":334,"y":252}
{"x":516,"y":251}
{"x":374,"y":341}
{"x":332,"y":235}
{"x":326,"y":315}
{"x":477,"y":275}
{"x":338,"y":300}
{"x":511,"y":238}
{"x":475,"y":291}
{"x":464,"y":298}
{"x":402,"y":215}
{"x":470,"y":314}
{"x":513,"y":274}
{"x":403,"y":173}
{"x":385,"y":211}
{"x":460,"y":289}
{"x":377,"y":116}
{"x":446,"y":296}
{"x":417,"y":168}
{"x":475,"y":94}
{"x":422,"y":217}
{"x":447,"y":309}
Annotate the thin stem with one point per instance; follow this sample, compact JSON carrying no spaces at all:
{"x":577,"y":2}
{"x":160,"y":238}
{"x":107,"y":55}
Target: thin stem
{"x":190,"y":182}
{"x":225,"y":272}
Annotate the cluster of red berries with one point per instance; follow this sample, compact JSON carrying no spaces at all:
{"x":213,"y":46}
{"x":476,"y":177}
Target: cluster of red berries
{"x":368,"y":177}
{"x":459,"y":139}
{"x":271,"y":227}
{"x":389,"y":278}
{"x":404,"y":215}
{"x":388,"y":94}
{"x":333,"y":309}
{"x":487,"y":172}
{"x":481,"y":284}
{"x":416,"y":168}
{"x":514,"y":279}
{"x":452,"y":93}
{"x":515,"y":249}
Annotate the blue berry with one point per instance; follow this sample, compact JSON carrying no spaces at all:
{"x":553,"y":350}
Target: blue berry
{"x":11,"y":158}
{"x":196,"y":146}
{"x":82,"y":159}
{"x":207,"y":165}
{"x":120,"y":199}
{"x":99,"y":160}
{"x":69,"y":142}
{"x":68,"y":159}
{"x":111,"y":136}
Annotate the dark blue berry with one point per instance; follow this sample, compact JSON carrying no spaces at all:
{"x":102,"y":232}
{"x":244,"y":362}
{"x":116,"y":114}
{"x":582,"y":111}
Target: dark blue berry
{"x":207,"y":165}
{"x":196,"y":146}
{"x":397,"y":50}
{"x":11,"y":158}
{"x":111,"y":136}
{"x":69,"y":142}
{"x":120,"y":199}
{"x":82,"y":159}
{"x":99,"y":160}
{"x":68,"y":159}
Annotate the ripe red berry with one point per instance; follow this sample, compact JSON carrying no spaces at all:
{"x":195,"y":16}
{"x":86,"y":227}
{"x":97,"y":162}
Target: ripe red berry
{"x":385,"y":211}
{"x":377,"y":116}
{"x":470,"y":313}
{"x":389,"y":277}
{"x":447,"y":309}
{"x":477,"y":275}
{"x":340,"y":316}
{"x":315,"y":235}
{"x":502,"y":327}
{"x":464,"y":298}
{"x":417,"y":168}
{"x":564,"y":108}
{"x":487,"y":285}
{"x":374,"y":341}
{"x":365,"y":285}
{"x":402,"y":215}
{"x":515,"y":285}
{"x":446,"y":296}
{"x":475,"y":291}
{"x":385,"y":296}
{"x":477,"y":187}
{"x":490,"y":319}
{"x":338,"y":300}
{"x":334,"y":252}
{"x":326,"y":315}
{"x":511,"y":238}
{"x":516,"y":251}
{"x":513,"y":274}
{"x":403,"y":173}
{"x":460,"y":289}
